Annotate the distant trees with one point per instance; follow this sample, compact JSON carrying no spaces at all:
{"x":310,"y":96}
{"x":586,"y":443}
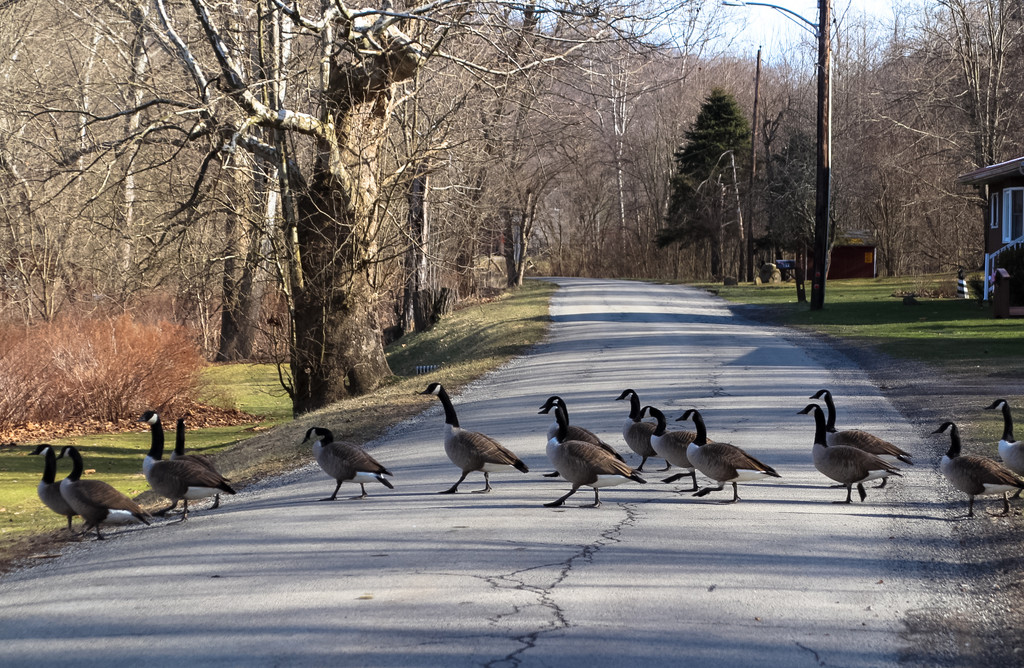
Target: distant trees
{"x":289,"y":180}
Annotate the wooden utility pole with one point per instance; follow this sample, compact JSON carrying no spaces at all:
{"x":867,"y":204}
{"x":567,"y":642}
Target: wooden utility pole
{"x":753,"y":172}
{"x":824,"y":166}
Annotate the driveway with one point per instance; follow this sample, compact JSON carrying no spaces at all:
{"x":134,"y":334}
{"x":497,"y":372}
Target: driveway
{"x":655,"y":577}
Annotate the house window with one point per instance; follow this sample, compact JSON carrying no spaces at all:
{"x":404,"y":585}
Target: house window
{"x":1013,"y":214}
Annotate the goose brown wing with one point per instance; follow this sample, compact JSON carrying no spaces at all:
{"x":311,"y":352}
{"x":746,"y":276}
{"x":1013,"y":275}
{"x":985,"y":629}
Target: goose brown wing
{"x":756,"y":464}
{"x":847,"y":464}
{"x":732,"y":459}
{"x":867,"y":442}
{"x":192,"y":474}
{"x":354,"y":457}
{"x":581,"y":434}
{"x":490,"y":451}
{"x":99,"y":495}
{"x":638,"y":438}
{"x":682,"y":437}
{"x":595,"y":458}
{"x":202,"y":460}
{"x":982,"y":471}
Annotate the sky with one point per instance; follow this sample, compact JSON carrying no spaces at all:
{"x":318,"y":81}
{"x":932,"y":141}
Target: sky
{"x":773,"y":31}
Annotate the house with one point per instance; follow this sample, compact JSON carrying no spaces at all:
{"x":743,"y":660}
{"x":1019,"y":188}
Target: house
{"x":1004,"y":215}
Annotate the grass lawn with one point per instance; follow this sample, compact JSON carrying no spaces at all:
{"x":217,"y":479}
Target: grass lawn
{"x":948,"y":332}
{"x":465,"y":345}
{"x":958,"y":335}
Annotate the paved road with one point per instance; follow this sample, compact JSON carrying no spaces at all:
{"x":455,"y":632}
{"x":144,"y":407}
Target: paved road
{"x":411,"y":578}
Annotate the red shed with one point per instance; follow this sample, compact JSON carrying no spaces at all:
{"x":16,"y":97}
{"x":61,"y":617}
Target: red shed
{"x":853,"y":256}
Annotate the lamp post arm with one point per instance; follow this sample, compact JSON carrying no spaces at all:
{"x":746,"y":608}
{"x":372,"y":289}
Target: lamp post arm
{"x":790,"y":14}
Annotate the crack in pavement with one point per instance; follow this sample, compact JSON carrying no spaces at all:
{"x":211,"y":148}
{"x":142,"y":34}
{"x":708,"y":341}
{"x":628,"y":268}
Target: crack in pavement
{"x":545,"y":594}
{"x":817,"y":659}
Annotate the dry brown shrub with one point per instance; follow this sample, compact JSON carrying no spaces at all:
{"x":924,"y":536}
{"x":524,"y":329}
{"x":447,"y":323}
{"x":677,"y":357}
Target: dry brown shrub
{"x":95,"y":369}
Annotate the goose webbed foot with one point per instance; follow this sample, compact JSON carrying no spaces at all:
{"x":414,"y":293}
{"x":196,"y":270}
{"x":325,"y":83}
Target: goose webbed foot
{"x":216,"y":502}
{"x":558,"y":502}
{"x":673,"y":478}
{"x":881,"y":486}
{"x":487,"y":483}
{"x":454,"y":488}
{"x":707,"y":490}
{"x":553,"y":474}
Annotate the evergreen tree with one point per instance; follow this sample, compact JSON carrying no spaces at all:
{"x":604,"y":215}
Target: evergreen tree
{"x":703,"y":189}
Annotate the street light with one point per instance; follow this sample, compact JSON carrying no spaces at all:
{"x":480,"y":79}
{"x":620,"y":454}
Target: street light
{"x":824,"y":158}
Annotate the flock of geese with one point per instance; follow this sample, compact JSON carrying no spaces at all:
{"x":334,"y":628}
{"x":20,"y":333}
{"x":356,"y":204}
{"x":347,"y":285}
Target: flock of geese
{"x":849,"y":457}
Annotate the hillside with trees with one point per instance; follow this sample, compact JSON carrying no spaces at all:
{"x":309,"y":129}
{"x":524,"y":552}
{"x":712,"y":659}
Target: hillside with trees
{"x":301,"y":183}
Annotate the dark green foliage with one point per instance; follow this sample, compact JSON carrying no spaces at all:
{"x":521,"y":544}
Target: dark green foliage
{"x":699,"y":202}
{"x":1012,"y":260}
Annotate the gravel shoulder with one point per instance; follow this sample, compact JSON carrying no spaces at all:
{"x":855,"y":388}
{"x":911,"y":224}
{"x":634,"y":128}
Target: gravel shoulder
{"x":976,"y":578}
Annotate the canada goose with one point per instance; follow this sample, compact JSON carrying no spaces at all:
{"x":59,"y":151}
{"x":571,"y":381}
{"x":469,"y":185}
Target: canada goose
{"x":843,"y":463}
{"x":48,"y":489}
{"x":575,"y":433}
{"x":202,"y":460}
{"x":344,"y":461}
{"x":96,"y":501}
{"x":975,"y":475}
{"x":861,"y":440}
{"x":722,"y":462}
{"x":179,"y":480}
{"x":583,"y":463}
{"x":636,"y":433}
{"x":671,"y":445}
{"x":1011,"y":451}
{"x":471,"y":450}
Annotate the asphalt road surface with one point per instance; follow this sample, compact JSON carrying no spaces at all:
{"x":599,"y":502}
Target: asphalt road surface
{"x":654,"y":577}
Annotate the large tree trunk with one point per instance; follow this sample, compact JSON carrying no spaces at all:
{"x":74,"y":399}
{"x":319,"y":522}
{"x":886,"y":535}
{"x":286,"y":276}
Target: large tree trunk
{"x":338,"y":345}
{"x":339,"y":348}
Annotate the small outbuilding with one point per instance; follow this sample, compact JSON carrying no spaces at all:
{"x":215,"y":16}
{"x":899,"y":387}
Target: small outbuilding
{"x":1004,"y":215}
{"x":853,"y":256}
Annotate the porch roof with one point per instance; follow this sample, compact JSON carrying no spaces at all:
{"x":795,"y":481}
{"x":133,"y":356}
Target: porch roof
{"x":992,"y":173}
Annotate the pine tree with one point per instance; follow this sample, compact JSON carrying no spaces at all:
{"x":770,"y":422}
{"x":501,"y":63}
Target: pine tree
{"x":699,"y":204}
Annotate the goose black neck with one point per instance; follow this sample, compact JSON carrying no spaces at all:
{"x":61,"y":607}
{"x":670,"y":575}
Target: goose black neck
{"x":562,"y":418}
{"x":76,"y":464}
{"x":634,"y":407}
{"x":449,"y":410}
{"x":702,"y":431}
{"x":660,"y":417}
{"x":179,"y":438}
{"x":156,"y":446}
{"x":819,"y":426}
{"x":49,"y":466}
{"x":1007,"y":424}
{"x":831,"y":405}
{"x":954,"y":442}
